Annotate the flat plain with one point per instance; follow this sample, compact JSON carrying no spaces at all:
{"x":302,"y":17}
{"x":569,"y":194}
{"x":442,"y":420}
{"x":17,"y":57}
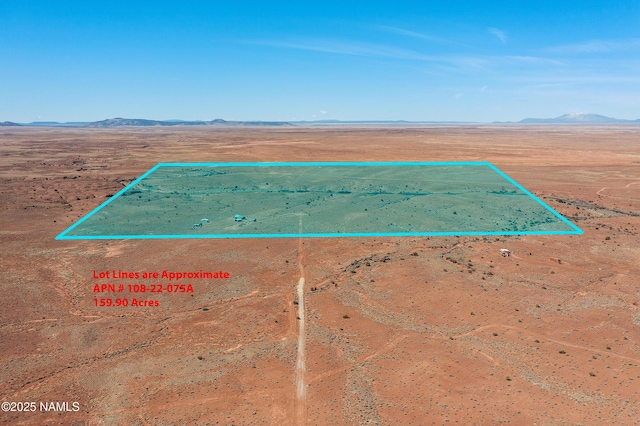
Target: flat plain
{"x":319,"y":200}
{"x":405,"y":330}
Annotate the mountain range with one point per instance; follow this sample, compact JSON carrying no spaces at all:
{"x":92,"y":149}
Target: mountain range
{"x":574,"y":118}
{"x":122,"y":122}
{"x":140,"y":122}
{"x":577,"y":118}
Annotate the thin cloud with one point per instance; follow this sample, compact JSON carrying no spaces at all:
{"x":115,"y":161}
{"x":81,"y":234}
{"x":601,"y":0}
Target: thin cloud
{"x":452,"y":63}
{"x":597,"y":46}
{"x":499,"y":61}
{"x":502,"y":36}
{"x":417,"y":35}
{"x":344,"y":48}
{"x":530,"y":60}
{"x":421,"y":36}
{"x":408,"y":33}
{"x":577,"y":80}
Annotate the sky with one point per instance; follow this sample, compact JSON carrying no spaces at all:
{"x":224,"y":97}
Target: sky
{"x":440,"y":60}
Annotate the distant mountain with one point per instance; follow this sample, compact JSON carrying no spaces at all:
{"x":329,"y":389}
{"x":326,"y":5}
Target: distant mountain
{"x":138,"y":122}
{"x":122,"y":122}
{"x":577,"y":118}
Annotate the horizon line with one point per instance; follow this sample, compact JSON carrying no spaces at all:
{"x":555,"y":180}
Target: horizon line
{"x":569,"y":118}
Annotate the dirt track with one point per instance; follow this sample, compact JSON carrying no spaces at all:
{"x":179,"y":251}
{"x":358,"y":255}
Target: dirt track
{"x":436,"y":329}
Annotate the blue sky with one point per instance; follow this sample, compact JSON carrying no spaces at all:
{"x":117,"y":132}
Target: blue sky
{"x":307,"y":60}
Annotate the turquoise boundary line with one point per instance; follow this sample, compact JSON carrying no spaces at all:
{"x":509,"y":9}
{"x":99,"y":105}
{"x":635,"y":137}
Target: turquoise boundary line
{"x":542,"y":203}
{"x":575,"y":231}
{"x":94,"y":211}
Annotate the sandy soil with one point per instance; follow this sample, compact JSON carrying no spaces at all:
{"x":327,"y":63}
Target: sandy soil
{"x":396,"y":331}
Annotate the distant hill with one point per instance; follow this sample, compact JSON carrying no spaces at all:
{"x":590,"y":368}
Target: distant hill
{"x":122,"y":122}
{"x":577,"y":118}
{"x":138,"y":122}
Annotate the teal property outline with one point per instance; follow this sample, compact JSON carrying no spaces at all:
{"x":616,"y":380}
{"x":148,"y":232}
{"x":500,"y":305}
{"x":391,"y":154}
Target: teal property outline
{"x":575,"y":231}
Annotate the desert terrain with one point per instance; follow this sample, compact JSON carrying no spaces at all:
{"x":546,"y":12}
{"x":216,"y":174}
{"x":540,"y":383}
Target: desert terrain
{"x":324,"y":331}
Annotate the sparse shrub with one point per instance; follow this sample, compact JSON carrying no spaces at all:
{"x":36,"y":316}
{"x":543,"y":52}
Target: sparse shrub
{"x":345,"y":316}
{"x":562,"y":351}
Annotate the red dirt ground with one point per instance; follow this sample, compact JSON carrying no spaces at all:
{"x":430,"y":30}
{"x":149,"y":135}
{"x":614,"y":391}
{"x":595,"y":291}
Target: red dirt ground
{"x":397,"y":330}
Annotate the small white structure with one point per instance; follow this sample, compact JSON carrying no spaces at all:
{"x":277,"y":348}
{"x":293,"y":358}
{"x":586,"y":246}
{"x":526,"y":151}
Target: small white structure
{"x":505,"y":252}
